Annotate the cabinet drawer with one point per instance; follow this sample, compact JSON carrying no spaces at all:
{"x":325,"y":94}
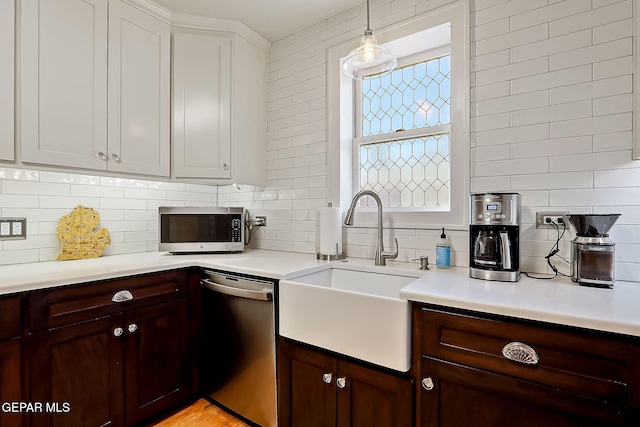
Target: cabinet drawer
{"x":594,"y":364}
{"x":10,"y":319}
{"x":63,"y":306}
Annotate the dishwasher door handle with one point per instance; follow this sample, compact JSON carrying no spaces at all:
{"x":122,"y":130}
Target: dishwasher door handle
{"x":237,"y":292}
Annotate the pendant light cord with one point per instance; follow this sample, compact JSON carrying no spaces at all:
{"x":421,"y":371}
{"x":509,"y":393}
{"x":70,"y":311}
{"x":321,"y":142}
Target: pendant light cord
{"x":368,"y":29}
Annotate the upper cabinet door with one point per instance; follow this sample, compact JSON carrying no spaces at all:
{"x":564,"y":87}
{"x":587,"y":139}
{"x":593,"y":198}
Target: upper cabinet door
{"x":139,"y":67}
{"x":64,"y":82}
{"x":201,"y":105}
{"x":7,"y":43}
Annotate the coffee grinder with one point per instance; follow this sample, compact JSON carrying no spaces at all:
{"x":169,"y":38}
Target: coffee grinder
{"x":593,"y":252}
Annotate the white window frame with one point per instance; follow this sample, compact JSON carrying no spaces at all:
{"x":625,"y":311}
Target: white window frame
{"x":341,"y":123}
{"x":423,"y":132}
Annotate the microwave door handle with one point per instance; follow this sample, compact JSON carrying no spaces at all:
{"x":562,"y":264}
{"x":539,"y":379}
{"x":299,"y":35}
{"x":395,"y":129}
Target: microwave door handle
{"x":506,"y":250}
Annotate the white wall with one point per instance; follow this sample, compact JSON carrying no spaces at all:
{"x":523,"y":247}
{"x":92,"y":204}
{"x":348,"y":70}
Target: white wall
{"x":551,"y":105}
{"x":551,"y":119}
{"x":128,"y":208}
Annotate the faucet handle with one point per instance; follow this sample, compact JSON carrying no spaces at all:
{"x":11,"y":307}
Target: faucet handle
{"x":391,"y":255}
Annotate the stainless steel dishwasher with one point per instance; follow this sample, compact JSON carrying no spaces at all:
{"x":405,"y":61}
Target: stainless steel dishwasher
{"x":238,"y":368}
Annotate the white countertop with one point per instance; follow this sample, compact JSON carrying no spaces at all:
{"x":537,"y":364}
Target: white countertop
{"x":555,"y":301}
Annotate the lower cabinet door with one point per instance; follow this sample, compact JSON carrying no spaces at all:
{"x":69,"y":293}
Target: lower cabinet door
{"x":76,"y":374}
{"x":157,"y":370}
{"x":11,"y":382}
{"x":306,"y":387}
{"x":453,"y":395}
{"x":368,"y":397}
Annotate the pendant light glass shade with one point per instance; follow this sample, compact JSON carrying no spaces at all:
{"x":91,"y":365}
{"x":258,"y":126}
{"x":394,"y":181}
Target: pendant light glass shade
{"x":370,"y":58}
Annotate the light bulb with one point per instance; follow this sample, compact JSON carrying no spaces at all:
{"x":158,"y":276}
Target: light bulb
{"x":368,"y":48}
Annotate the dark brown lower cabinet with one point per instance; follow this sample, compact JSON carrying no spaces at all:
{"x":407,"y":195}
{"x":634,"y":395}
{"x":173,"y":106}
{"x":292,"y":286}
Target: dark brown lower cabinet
{"x":320,"y":389}
{"x":118,"y":363}
{"x":483,"y":370}
{"x":10,"y":381}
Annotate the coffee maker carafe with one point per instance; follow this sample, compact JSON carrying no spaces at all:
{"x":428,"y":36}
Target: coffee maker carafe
{"x":592,"y":251}
{"x":494,"y":236}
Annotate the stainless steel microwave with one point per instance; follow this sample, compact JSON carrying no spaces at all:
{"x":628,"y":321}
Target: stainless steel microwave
{"x":200,"y":229}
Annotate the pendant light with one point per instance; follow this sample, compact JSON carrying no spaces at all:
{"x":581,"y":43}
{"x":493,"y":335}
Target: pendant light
{"x":370,"y":58}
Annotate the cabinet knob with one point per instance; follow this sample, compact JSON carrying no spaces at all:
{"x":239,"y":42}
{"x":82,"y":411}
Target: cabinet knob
{"x":102,"y":155}
{"x":341,"y":382}
{"x":427,"y":383}
{"x":327,"y":378}
{"x":115,"y":157}
{"x":225,"y":166}
{"x":132,"y":327}
{"x":117,"y":332}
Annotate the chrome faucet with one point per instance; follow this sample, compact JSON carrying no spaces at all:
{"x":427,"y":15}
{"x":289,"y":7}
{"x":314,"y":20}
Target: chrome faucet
{"x":381,"y":256}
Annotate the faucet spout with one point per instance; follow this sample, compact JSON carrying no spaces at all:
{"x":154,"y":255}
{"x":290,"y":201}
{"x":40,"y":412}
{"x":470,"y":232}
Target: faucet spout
{"x":381,"y":256}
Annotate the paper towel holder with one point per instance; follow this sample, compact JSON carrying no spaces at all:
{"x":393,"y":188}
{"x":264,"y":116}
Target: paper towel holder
{"x":330,"y":257}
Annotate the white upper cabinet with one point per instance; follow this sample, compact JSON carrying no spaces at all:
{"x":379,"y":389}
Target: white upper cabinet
{"x":7,"y":46}
{"x":201,"y":105}
{"x":139,"y":110}
{"x":68,"y":117}
{"x":219,"y":104}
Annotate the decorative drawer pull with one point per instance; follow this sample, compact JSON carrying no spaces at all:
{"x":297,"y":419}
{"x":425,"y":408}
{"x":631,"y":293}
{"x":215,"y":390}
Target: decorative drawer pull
{"x":341,"y":382}
{"x":117,"y":332}
{"x":327,"y":378}
{"x":521,"y":353}
{"x":122,"y":296}
{"x":132,"y":328}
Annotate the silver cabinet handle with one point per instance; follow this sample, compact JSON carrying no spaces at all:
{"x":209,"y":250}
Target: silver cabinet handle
{"x":225,"y":166}
{"x":122,"y":296}
{"x":341,"y":382}
{"x":117,"y":332}
{"x":132,"y":328}
{"x":115,"y":157}
{"x":102,"y":155}
{"x":327,"y":378}
{"x":427,"y":383}
{"x":521,"y":353}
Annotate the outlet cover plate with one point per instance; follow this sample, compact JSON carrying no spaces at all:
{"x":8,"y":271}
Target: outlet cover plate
{"x":540,"y":216}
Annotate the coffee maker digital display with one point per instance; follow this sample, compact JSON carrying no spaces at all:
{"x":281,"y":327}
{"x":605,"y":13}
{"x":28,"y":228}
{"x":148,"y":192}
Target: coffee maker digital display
{"x":494,"y":236}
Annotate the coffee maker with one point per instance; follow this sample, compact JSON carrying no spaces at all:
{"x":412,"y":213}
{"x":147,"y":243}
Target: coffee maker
{"x":494,"y":236}
{"x":592,"y":251}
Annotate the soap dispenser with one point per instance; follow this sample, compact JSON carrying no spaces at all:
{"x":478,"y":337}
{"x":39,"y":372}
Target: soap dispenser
{"x":443,"y":252}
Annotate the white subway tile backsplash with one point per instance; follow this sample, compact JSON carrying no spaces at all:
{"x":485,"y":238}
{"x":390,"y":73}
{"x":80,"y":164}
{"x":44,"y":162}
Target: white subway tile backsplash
{"x":613,"y":67}
{"x":613,"y":105}
{"x":513,"y":71}
{"x":591,"y":126}
{"x":591,"y":90}
{"x":592,"y":161}
{"x":550,"y":46}
{"x":512,"y":39}
{"x":552,"y":79}
{"x":592,"y":18}
{"x":552,"y":181}
{"x":549,"y":13}
{"x":591,"y":54}
{"x":552,"y":147}
{"x":616,"y":141}
{"x":513,"y":134}
{"x":552,"y":113}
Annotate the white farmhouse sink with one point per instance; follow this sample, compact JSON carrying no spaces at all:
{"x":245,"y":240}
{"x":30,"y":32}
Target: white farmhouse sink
{"x":353,"y":312}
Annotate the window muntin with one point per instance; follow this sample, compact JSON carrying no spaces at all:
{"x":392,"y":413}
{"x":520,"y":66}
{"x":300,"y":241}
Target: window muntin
{"x":404,"y":128}
{"x":411,"y":97}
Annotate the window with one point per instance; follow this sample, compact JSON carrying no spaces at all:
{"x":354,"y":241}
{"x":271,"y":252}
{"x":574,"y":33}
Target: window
{"x":403,"y":135}
{"x":406,"y":135}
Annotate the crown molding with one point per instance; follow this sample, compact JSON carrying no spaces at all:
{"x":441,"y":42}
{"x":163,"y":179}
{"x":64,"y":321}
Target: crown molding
{"x":151,"y":8}
{"x":183,"y":20}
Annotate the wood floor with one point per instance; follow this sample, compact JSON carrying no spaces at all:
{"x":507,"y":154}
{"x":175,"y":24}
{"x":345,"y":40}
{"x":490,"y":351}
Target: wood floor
{"x":201,"y":413}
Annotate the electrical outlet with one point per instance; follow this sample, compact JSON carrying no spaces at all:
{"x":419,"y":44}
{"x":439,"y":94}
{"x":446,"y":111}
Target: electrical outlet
{"x":552,"y":219}
{"x":13,"y":228}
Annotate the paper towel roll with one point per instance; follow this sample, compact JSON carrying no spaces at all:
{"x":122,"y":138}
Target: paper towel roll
{"x":329,"y":230}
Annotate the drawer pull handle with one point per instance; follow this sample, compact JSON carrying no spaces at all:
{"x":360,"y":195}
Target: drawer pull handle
{"x":427,"y":383}
{"x":117,"y":332}
{"x":132,"y":328}
{"x":341,"y":382}
{"x":122,"y":296}
{"x":327,"y":378}
{"x":521,"y":353}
